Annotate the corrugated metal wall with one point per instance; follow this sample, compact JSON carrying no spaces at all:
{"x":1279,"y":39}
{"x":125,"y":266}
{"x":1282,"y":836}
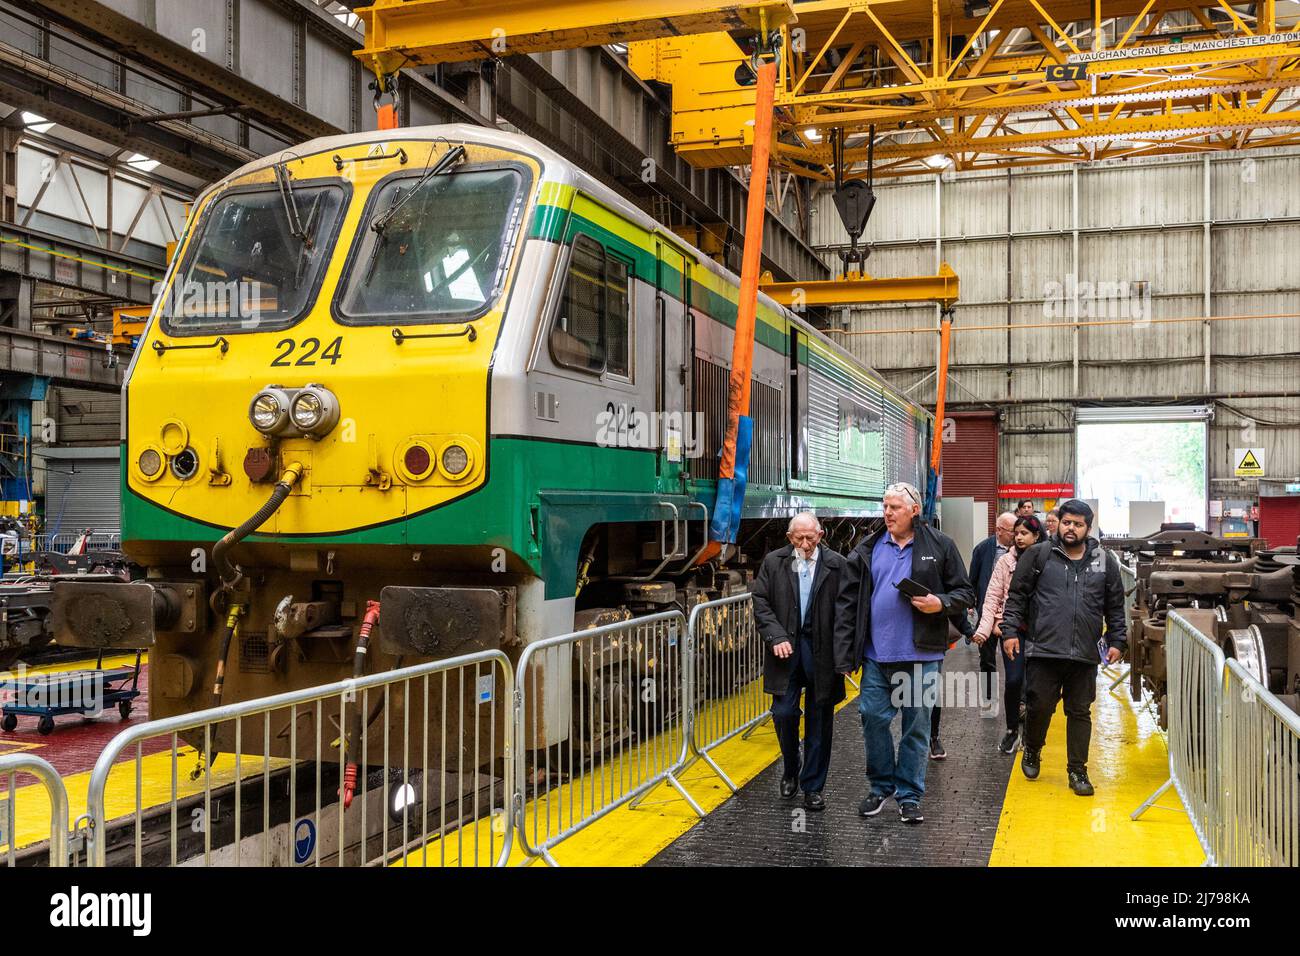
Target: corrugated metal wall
{"x":1138,"y":241}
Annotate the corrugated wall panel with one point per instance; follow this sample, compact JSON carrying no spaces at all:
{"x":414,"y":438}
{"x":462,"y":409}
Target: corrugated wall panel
{"x":1133,"y":194}
{"x":974,"y":206}
{"x":1040,"y":202}
{"x":981,"y":266}
{"x":1254,"y":186}
{"x":1256,"y":258}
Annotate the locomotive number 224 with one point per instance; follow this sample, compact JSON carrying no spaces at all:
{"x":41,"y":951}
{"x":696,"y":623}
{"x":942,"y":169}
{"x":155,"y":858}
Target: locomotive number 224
{"x":332,"y":353}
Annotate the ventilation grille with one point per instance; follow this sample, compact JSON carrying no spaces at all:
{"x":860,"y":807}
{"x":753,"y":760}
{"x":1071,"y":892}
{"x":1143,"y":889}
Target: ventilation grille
{"x":254,"y":655}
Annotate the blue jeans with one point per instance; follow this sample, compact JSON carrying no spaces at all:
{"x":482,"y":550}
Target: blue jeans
{"x":884,"y":688}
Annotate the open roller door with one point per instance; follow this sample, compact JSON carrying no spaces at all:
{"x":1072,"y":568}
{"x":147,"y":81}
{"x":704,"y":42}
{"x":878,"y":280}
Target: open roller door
{"x":1126,"y":455}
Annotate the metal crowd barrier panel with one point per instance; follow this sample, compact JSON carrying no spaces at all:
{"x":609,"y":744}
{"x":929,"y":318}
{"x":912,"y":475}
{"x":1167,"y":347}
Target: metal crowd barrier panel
{"x":1195,"y":691}
{"x":1120,"y":673}
{"x":1261,"y":775}
{"x":600,"y":719}
{"x":726,"y":680}
{"x":432,"y":774}
{"x":11,"y":765}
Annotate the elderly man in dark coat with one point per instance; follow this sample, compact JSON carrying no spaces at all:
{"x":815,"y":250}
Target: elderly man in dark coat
{"x":794,"y":605}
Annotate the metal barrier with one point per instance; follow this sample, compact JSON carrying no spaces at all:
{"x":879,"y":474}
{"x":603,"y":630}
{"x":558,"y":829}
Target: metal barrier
{"x":10,"y":766}
{"x":268,"y":807}
{"x":1118,"y":673}
{"x":64,"y":541}
{"x":726,"y":678}
{"x":1195,"y":691}
{"x":601,"y":716}
{"x":1261,"y":775}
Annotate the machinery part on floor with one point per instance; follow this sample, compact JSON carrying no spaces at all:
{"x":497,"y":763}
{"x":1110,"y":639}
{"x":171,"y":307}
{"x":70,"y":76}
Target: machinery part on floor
{"x":1254,"y":593}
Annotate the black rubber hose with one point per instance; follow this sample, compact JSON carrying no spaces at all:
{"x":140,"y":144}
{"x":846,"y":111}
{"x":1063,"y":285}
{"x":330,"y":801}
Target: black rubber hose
{"x":219,"y":681}
{"x":229,"y":573}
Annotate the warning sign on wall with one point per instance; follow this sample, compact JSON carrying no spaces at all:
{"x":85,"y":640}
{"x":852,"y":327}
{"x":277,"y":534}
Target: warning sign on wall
{"x":1249,"y":462}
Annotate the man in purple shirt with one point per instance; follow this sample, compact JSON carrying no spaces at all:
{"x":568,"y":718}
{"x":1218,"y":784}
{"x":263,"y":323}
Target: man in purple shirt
{"x":899,"y":641}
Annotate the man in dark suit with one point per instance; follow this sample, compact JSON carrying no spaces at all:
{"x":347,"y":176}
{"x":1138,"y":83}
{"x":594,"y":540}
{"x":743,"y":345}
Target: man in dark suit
{"x":982,"y":559}
{"x":794,"y":605}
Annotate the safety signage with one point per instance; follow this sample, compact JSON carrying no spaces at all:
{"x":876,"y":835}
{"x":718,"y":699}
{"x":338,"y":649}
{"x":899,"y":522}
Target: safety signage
{"x":304,"y":840}
{"x":1248,"y":462}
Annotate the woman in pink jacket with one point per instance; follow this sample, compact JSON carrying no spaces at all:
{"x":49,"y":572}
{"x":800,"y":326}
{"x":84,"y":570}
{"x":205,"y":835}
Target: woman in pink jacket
{"x":1028,"y":532}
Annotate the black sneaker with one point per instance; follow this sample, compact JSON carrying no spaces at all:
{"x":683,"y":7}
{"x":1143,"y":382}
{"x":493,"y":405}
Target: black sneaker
{"x":936,"y":749}
{"x":789,"y":786}
{"x":910,"y":812}
{"x":1029,"y":763}
{"x":1009,"y":741}
{"x":871,"y":806}
{"x":1080,"y":783}
{"x":814,"y":801}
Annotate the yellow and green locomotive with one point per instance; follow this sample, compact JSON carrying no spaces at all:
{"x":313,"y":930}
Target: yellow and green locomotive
{"x":444,"y":367}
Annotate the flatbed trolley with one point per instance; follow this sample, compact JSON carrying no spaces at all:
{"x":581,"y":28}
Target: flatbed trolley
{"x":85,"y":692}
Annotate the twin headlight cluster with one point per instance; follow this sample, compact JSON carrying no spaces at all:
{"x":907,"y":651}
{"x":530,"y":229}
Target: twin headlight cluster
{"x":311,"y":411}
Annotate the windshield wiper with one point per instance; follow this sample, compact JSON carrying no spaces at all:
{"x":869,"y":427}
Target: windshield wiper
{"x":381,"y":238}
{"x":446,"y":162}
{"x":304,"y":251}
{"x":284,"y":180}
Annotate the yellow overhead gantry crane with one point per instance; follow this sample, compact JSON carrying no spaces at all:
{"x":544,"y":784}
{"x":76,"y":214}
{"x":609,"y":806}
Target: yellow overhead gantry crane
{"x":972,"y":84}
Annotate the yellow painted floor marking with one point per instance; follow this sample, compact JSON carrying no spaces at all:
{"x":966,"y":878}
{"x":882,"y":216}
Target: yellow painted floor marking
{"x":625,"y":836}
{"x":117,"y":660}
{"x":1044,"y":823}
{"x":32,"y":804}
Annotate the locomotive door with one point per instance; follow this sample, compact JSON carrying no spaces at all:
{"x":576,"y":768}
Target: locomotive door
{"x":672,"y":371}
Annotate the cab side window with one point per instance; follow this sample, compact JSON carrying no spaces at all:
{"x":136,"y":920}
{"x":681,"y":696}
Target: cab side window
{"x":591,"y":330}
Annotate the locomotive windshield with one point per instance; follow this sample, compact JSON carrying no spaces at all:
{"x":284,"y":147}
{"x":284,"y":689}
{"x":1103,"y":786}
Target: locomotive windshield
{"x":442,"y":250}
{"x":256,"y":261}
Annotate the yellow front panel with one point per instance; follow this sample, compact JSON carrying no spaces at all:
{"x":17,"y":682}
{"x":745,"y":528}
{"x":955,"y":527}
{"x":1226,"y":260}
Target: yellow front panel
{"x":431,"y":390}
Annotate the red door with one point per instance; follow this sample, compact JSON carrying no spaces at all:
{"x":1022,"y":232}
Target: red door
{"x":1279,"y":520}
{"x":970,"y":459}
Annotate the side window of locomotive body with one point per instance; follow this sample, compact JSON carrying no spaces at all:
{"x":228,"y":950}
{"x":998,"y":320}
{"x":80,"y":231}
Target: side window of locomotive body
{"x":442,"y":250}
{"x":249,"y":268}
{"x":592,"y":329}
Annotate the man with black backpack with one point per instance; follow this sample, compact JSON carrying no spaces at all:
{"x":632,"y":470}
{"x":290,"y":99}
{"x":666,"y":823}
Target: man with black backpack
{"x":1066,"y":589}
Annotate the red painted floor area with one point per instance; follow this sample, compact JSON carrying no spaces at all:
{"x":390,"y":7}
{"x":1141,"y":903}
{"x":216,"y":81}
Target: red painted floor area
{"x":77,"y":742}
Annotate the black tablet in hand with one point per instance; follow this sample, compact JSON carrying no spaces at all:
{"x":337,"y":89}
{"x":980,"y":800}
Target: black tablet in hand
{"x":912,"y":588}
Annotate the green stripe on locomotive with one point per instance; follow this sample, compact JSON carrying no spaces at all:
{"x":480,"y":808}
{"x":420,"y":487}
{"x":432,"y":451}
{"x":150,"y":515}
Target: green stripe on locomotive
{"x":560,"y":487}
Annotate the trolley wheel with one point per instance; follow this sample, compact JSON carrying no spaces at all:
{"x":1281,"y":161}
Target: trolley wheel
{"x":124,"y":708}
{"x":46,"y":726}
{"x":9,"y":723}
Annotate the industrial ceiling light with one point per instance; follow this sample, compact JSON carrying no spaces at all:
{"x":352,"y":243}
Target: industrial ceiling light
{"x":977,"y":8}
{"x":937,"y":161}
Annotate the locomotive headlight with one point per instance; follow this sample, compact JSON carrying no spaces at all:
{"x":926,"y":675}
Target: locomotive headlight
{"x":314,"y":410}
{"x":308,"y":410}
{"x":150,"y":463}
{"x":269,"y":411}
{"x":455,"y":460}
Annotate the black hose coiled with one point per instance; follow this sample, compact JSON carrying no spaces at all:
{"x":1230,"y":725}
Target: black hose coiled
{"x":229,"y":573}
